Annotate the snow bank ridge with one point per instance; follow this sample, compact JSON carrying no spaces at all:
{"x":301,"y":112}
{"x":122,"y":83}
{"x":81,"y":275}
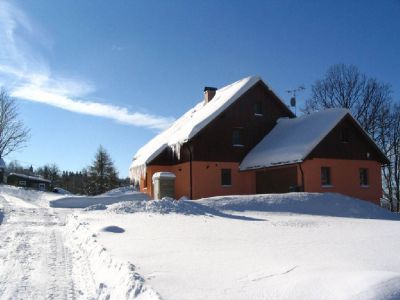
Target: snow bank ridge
{"x":103,"y":199}
{"x":114,"y":279}
{"x":163,"y":206}
{"x":327,"y":204}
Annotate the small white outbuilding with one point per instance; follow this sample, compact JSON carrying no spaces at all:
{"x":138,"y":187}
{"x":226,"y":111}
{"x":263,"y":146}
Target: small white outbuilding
{"x":163,"y":185}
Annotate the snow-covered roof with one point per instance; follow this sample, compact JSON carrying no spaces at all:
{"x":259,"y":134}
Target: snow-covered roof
{"x":30,"y":177}
{"x":187,"y":126}
{"x":291,"y":140}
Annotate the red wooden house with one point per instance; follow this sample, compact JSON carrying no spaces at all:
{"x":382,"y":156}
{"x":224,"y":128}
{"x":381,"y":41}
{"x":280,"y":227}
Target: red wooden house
{"x":242,"y":139}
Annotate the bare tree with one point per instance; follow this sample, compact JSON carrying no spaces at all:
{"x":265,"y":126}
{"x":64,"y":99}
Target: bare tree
{"x":345,"y":86}
{"x":370,"y":102}
{"x":391,"y":174}
{"x":50,"y":172}
{"x":13,"y":133}
{"x":15,"y":167}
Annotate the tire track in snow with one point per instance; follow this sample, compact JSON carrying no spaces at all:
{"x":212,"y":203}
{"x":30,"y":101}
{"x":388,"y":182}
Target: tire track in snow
{"x":17,"y":257}
{"x":61,"y":285}
{"x":265,"y":275}
{"x":35,"y":262}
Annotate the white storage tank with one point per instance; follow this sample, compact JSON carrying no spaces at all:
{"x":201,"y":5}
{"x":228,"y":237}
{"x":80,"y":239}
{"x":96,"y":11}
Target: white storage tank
{"x":163,"y":185}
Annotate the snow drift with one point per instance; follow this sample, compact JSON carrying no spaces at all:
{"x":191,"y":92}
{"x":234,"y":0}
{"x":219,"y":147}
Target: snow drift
{"x":103,"y":199}
{"x":163,"y":206}
{"x":327,"y":204}
{"x":38,"y":198}
{"x":303,"y":246}
{"x":114,"y":279}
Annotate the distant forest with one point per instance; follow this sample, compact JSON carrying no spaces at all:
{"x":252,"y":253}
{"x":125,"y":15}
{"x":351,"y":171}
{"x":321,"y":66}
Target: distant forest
{"x":99,"y":177}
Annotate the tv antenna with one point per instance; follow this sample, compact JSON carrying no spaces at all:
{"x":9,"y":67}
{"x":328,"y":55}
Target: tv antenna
{"x":293,"y":98}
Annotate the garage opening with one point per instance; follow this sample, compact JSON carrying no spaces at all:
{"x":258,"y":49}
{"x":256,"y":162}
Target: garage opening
{"x":277,"y":180}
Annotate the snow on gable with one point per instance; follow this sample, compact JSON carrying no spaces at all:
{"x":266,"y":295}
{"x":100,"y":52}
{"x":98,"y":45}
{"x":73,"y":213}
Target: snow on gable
{"x":291,"y":140}
{"x":34,"y":178}
{"x":187,"y":126}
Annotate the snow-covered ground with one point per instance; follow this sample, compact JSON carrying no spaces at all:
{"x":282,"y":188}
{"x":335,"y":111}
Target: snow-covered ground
{"x":35,"y":260}
{"x":45,"y":253}
{"x":292,"y":246}
{"x":110,"y":197}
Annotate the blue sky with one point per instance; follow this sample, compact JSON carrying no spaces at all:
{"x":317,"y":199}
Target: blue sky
{"x":114,"y":73}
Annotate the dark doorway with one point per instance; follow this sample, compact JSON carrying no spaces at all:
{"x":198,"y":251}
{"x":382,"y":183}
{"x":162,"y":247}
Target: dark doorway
{"x":276,"y":180}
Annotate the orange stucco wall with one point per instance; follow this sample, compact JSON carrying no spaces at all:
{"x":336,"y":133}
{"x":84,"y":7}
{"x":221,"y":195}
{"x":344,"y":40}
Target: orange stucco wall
{"x":344,"y":177}
{"x":182,"y":180}
{"x":206,"y":177}
{"x":207,"y":180}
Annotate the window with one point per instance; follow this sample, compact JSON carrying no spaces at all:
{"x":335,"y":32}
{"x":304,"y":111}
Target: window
{"x":344,"y":135}
{"x":258,"y":109}
{"x":226,"y":178}
{"x":237,"y":137}
{"x":42,"y":186}
{"x":326,"y":176}
{"x":364,"y":180}
{"x":22,"y":183}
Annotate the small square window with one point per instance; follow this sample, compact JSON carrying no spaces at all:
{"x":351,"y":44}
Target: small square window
{"x":226,"y":178}
{"x":237,"y":137}
{"x":364,"y":180}
{"x":22,"y":183}
{"x":42,"y":186}
{"x":326,"y":176}
{"x":258,"y":109}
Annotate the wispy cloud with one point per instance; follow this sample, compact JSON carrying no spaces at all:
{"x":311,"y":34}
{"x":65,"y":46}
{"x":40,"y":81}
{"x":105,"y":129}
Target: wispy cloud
{"x":28,"y":76}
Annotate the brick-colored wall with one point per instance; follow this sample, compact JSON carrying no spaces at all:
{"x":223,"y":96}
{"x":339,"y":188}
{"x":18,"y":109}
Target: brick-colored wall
{"x":344,"y":177}
{"x":207,"y":180}
{"x":206,"y":177}
{"x":182,"y":180}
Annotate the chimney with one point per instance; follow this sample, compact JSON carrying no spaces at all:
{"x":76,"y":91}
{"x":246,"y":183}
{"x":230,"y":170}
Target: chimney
{"x":209,"y":93}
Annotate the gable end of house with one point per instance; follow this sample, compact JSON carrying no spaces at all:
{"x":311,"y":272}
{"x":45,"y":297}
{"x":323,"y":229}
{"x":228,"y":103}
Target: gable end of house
{"x":348,"y":140}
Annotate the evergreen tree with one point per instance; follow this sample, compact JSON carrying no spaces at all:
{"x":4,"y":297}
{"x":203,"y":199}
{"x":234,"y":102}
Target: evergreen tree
{"x":102,"y":175}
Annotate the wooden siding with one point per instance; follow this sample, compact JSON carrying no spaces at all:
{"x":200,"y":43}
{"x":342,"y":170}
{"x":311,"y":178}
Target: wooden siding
{"x":167,"y":157}
{"x":276,"y":180}
{"x":214,"y":142}
{"x":14,"y":179}
{"x":355,"y":149}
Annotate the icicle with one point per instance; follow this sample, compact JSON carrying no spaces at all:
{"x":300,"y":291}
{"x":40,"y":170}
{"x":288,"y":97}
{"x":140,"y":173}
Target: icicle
{"x":138,"y":172}
{"x":176,"y":149}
